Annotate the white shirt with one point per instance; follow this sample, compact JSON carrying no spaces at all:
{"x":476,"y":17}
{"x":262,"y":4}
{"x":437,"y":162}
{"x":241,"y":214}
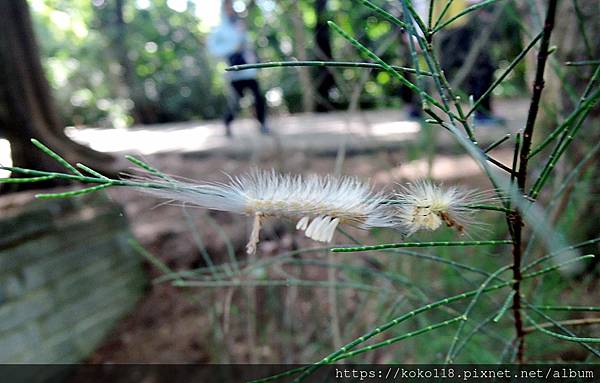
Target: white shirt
{"x":229,"y":38}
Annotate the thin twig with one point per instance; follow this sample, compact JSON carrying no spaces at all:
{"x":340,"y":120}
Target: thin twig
{"x":568,"y":322}
{"x":342,"y":64}
{"x":582,"y":63}
{"x":516,"y":220}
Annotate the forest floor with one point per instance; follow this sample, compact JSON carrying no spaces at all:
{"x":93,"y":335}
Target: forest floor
{"x":314,"y":133}
{"x":174,"y":325}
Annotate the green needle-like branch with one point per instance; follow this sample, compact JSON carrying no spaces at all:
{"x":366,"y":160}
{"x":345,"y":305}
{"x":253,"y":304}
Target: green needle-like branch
{"x":74,"y":192}
{"x":583,"y":62}
{"x":421,"y":244}
{"x":560,"y":149}
{"x":489,"y":207}
{"x":505,"y":73}
{"x":364,"y":50}
{"x":499,"y":164}
{"x":505,"y":306}
{"x":558,"y":253}
{"x":277,"y":282}
{"x":439,"y":25}
{"x":443,"y":13}
{"x":561,"y":327}
{"x":378,"y":330}
{"x":583,"y":108}
{"x":91,"y":171}
{"x":24,"y":180}
{"x":566,"y":308}
{"x":561,"y":336}
{"x":385,"y":14}
{"x":495,"y":144}
{"x":399,"y":338}
{"x":55,"y":156}
{"x":340,"y":64}
{"x":452,"y":351}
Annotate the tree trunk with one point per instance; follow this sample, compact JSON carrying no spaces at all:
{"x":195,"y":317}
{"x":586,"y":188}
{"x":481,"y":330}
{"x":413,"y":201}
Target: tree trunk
{"x":141,"y":111}
{"x":26,"y":106}
{"x":120,"y":47}
{"x":324,"y":78}
{"x":306,"y":84}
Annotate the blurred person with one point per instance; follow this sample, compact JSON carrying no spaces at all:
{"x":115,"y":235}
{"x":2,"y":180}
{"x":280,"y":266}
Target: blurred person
{"x":410,"y":99}
{"x":407,"y":95}
{"x":229,"y":41}
{"x":456,"y":41}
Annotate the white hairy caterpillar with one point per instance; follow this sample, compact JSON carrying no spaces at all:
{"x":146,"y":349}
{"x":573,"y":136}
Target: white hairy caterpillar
{"x":319,"y":203}
{"x":423,"y":205}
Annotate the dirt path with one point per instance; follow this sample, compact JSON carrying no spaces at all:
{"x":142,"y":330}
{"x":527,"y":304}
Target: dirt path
{"x":321,"y":133}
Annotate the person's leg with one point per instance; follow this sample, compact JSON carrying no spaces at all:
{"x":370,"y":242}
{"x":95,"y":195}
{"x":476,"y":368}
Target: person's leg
{"x":234,"y":94}
{"x":259,"y":105}
{"x":412,"y":102}
{"x":481,"y":79}
{"x":454,"y":46}
{"x":484,"y":115}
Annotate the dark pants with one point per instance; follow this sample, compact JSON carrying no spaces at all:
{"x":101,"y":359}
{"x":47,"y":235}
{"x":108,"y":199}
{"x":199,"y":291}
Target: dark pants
{"x":259,"y":101}
{"x":455,"y":45}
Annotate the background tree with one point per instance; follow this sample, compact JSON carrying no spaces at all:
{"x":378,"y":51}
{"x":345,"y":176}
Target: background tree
{"x":324,"y":78}
{"x":300,"y":48}
{"x":119,"y":42}
{"x":26,"y":105}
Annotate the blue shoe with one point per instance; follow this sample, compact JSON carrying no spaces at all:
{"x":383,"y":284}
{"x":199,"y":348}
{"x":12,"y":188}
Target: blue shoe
{"x":415,"y":114}
{"x":264,"y":129}
{"x":488,"y":119}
